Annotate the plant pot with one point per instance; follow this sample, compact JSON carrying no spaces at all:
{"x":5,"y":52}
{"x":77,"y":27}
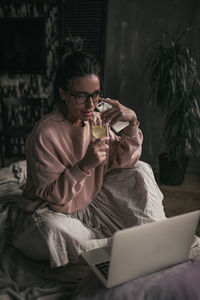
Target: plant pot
{"x":171,"y":172}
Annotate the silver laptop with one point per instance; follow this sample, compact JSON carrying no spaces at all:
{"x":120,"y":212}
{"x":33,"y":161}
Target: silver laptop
{"x":141,"y":250}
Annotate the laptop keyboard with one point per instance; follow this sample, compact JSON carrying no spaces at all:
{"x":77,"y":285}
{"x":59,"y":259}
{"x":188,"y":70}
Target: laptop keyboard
{"x":103,"y":268}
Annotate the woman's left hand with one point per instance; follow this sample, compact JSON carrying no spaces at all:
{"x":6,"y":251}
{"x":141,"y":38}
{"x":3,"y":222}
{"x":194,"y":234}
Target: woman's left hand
{"x":118,"y":112}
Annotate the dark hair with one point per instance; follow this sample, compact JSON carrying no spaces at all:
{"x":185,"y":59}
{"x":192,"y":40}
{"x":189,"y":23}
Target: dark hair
{"x":74,"y":63}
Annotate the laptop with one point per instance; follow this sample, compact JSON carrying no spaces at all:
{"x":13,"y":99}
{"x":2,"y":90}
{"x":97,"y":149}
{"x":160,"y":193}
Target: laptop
{"x":144,"y":249}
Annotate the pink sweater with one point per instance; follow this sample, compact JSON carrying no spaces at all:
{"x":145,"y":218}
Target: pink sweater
{"x":54,"y":148}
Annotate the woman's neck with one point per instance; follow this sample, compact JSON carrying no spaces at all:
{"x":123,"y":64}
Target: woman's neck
{"x":77,"y":123}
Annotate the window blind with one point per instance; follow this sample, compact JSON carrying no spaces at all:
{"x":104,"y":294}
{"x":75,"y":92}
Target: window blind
{"x":86,"y":19}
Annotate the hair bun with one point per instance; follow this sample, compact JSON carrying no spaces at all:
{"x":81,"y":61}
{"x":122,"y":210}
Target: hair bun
{"x":70,"y":45}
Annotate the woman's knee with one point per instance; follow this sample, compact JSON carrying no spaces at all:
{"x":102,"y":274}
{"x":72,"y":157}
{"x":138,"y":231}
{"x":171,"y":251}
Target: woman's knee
{"x":31,"y":242}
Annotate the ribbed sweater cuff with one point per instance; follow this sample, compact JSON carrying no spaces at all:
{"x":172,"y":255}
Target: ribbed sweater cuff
{"x":78,"y":173}
{"x":132,"y":130}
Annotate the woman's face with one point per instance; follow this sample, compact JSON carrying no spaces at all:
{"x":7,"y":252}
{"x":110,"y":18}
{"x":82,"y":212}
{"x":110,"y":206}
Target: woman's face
{"x":78,"y":113}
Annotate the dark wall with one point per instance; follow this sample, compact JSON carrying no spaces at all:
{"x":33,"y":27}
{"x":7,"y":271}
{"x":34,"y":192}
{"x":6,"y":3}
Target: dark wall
{"x":131,"y":26}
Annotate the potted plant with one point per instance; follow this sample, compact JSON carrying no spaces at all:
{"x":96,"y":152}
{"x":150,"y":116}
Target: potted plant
{"x":173,"y":85}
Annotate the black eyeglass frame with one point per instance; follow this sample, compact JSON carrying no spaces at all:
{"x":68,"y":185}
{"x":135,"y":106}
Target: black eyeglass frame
{"x":87,"y":96}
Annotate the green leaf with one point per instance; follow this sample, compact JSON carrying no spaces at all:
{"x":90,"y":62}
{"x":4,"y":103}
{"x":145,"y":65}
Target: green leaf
{"x":173,"y":80}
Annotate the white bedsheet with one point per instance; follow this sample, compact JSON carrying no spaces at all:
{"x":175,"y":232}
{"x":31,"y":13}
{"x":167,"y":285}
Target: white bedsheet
{"x":23,"y":278}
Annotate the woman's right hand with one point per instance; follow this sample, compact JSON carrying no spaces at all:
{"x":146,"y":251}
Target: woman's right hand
{"x":96,"y":154}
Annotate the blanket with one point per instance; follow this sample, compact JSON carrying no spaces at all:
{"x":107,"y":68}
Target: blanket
{"x":179,"y":282}
{"x":24,"y":279}
{"x":21,"y":277}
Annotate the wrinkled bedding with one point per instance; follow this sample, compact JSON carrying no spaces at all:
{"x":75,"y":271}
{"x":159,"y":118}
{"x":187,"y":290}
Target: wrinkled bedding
{"x":24,"y":279}
{"x":20,"y":277}
{"x":178,"y":283}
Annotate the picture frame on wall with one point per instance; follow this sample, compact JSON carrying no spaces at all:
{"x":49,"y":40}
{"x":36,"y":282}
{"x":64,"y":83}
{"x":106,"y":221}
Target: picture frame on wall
{"x":22,"y":48}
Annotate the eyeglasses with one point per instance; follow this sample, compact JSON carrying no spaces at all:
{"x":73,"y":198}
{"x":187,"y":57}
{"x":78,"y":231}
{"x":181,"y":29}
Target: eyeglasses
{"x":83,"y":97}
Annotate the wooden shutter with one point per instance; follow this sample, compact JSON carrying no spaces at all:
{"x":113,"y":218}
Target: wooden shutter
{"x":87,"y":19}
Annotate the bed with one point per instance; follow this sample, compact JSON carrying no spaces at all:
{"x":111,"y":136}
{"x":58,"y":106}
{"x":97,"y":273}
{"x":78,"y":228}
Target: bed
{"x":22,"y":278}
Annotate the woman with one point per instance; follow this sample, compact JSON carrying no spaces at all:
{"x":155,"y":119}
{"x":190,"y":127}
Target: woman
{"x":80,"y":190}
